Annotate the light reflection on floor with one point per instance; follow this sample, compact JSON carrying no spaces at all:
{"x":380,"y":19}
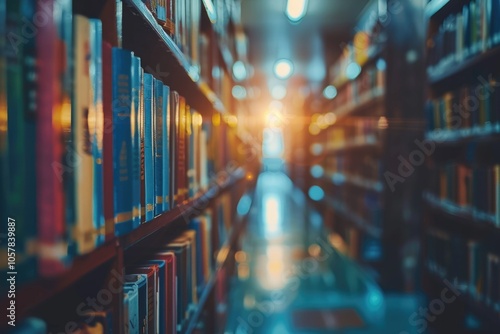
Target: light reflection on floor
{"x":287,"y":265}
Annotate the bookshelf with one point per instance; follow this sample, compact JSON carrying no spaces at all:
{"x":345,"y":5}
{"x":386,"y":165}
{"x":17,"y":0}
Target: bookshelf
{"x":461,"y":192}
{"x":372,"y":121}
{"x":207,"y":175}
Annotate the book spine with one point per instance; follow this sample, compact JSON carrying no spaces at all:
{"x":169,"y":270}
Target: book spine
{"x":98,"y":132}
{"x":122,"y":140}
{"x":50,"y":144}
{"x":108,"y":191}
{"x":148,"y":147}
{"x":141,"y":135}
{"x":165,"y":147}
{"x":174,"y":121}
{"x":83,"y":113}
{"x":133,"y":309}
{"x":158,"y":146}
{"x":181,"y":191}
{"x":136,"y":142}
{"x":191,"y":160}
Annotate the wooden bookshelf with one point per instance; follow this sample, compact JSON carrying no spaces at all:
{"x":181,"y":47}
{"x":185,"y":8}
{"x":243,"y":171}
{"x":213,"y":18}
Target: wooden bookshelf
{"x":446,"y":74}
{"x":368,"y":100}
{"x":356,"y":145}
{"x":171,"y":63}
{"x":184,"y":211}
{"x":464,"y":230}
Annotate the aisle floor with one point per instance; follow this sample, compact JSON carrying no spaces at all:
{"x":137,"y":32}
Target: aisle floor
{"x":290,"y":280}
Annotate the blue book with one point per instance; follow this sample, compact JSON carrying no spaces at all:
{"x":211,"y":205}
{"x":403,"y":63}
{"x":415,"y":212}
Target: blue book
{"x":158,"y":145}
{"x":161,"y":294}
{"x":122,"y":140}
{"x":140,"y":280}
{"x":165,"y":146}
{"x":149,"y":161}
{"x":95,"y":75}
{"x":136,"y":142}
{"x":197,"y":226}
{"x":132,"y":326}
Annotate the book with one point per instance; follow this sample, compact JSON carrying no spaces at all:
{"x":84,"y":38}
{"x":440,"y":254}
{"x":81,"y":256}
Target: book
{"x":494,"y":23}
{"x":158,"y":145}
{"x":142,"y":294}
{"x":174,"y":135}
{"x":107,"y":163}
{"x":122,"y":140}
{"x":52,"y":170}
{"x":142,"y":147}
{"x":83,"y":125}
{"x":96,"y":73}
{"x":197,"y":226}
{"x":152,"y":276}
{"x":166,"y":148}
{"x":162,"y":290}
{"x":136,"y":141}
{"x":30,"y":325}
{"x":181,"y":250}
{"x":149,"y":160}
{"x":132,"y":322}
{"x":181,"y":162}
{"x":170,"y":292}
{"x":99,"y":322}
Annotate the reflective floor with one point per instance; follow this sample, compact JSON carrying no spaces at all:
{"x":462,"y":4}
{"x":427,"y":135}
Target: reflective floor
{"x":291,"y":280}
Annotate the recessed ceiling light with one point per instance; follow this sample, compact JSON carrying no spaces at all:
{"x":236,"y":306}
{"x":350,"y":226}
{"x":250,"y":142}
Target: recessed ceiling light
{"x":296,"y":9}
{"x":283,"y":68}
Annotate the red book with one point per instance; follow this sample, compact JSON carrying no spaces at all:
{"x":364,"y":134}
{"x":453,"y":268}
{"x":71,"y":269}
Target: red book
{"x":50,"y":131}
{"x":107,"y":100}
{"x":170,"y":290}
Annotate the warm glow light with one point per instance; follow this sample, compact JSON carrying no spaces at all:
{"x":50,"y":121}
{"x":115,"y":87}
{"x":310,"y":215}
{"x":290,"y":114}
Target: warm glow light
{"x":272,"y":214}
{"x":314,"y":129}
{"x":330,"y":118}
{"x":296,"y":9}
{"x":216,"y":119}
{"x":283,"y":68}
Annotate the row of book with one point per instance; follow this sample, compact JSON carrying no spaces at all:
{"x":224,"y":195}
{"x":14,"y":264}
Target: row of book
{"x":472,"y":109}
{"x":181,"y":20}
{"x":111,"y":146}
{"x":161,"y":292}
{"x":360,"y":131}
{"x":472,"y":188}
{"x":472,"y":30}
{"x":468,"y":263}
{"x":369,"y":84}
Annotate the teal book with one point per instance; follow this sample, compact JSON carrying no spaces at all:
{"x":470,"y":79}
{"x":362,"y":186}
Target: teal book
{"x":142,"y":294}
{"x":132,"y":325}
{"x":149,"y":169}
{"x":96,"y":73}
{"x":136,"y":142}
{"x":17,"y":137}
{"x":165,"y":147}
{"x":122,"y":140}
{"x":158,"y":145}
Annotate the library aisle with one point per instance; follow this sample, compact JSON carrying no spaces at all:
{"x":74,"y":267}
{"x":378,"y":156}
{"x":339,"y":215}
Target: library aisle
{"x":290,"y":279}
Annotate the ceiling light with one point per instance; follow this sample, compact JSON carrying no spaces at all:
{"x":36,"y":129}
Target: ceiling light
{"x":330,"y":92}
{"x":283,"y":68}
{"x":296,"y":9}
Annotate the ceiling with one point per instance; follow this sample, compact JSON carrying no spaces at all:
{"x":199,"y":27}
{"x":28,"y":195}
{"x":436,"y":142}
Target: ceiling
{"x":311,"y":44}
